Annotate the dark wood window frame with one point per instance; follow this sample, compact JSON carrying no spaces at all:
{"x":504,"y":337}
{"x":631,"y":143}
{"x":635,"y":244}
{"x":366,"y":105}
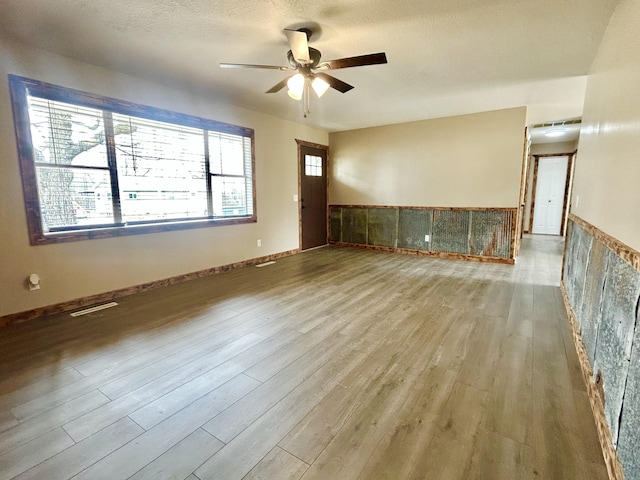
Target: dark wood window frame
{"x":21,"y":87}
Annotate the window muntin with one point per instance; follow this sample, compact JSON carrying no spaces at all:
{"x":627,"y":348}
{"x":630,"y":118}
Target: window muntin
{"x":61,"y":135}
{"x":229,"y":162}
{"x":161,"y":170}
{"x":312,"y":166}
{"x":95,"y":166}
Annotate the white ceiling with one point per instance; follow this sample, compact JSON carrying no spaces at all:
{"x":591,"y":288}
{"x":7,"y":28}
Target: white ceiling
{"x":446,"y":57}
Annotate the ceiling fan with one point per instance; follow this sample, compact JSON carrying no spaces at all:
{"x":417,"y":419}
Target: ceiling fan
{"x":305,"y":62}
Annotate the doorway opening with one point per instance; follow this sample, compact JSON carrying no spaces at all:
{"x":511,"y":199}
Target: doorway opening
{"x":551,"y":193}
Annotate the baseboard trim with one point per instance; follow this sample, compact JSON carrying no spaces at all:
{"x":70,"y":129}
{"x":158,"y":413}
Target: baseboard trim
{"x":123,"y":292}
{"x":596,"y":395}
{"x":424,"y":253}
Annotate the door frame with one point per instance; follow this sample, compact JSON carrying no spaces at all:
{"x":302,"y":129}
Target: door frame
{"x":571,"y":156}
{"x":300,"y":144}
{"x":524,"y":181}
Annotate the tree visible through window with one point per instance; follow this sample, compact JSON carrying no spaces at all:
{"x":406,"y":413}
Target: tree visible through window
{"x":93,"y":163}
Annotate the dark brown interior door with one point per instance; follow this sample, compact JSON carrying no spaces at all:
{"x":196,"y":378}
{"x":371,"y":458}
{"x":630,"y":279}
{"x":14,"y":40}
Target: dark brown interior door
{"x":313,"y":196}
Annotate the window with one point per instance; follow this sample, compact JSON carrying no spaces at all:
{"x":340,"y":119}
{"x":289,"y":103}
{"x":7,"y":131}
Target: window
{"x":312,"y":166}
{"x":95,"y":167}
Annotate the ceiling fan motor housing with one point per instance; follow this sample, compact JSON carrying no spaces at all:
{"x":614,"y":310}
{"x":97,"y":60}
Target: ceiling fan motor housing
{"x":314,"y":58}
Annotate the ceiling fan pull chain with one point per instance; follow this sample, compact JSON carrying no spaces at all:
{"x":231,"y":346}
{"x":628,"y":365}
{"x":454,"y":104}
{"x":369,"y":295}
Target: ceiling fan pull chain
{"x":305,"y":100}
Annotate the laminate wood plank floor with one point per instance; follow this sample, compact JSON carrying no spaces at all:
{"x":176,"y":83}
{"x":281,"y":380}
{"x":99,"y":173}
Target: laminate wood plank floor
{"x":336,"y":364}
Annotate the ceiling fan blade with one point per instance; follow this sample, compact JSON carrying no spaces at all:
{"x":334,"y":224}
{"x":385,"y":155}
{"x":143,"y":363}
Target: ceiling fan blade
{"x":279,"y":86}
{"x":246,"y":65}
{"x":359,"y":61}
{"x":299,"y":45}
{"x":335,"y":83}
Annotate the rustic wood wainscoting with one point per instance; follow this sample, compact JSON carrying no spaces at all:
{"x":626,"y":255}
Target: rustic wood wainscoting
{"x":601,"y":290}
{"x":479,"y":234}
{"x":337,"y":363}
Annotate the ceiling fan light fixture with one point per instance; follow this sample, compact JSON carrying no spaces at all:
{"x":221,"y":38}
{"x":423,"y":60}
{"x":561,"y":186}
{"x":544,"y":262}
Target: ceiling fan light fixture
{"x":319,"y":86}
{"x":296,"y":86}
{"x":294,"y":95}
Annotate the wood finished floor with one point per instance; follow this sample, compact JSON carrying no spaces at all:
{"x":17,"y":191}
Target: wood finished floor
{"x":332,"y":364}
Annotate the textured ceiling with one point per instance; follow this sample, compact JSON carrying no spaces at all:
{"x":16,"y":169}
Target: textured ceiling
{"x":446,"y":57}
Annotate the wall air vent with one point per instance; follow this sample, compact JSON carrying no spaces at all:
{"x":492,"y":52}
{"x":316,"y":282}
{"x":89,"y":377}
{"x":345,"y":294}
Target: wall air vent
{"x":576,"y":121}
{"x":97,"y":308}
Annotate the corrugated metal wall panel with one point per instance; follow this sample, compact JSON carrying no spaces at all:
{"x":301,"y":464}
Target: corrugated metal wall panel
{"x":335,"y":224}
{"x":615,"y":334}
{"x":629,"y":435}
{"x":383,"y":227}
{"x":477,"y":232}
{"x":603,"y":291}
{"x":414,"y":224}
{"x":354,"y":225}
{"x":491,"y":233}
{"x":450,"y":231}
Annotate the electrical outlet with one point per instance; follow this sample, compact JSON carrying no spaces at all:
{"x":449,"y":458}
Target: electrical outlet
{"x":426,"y":238}
{"x":295,"y":197}
{"x":259,"y":242}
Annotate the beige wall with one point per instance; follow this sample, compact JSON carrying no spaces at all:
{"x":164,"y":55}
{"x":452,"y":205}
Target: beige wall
{"x":78,"y":269}
{"x":550,"y":148}
{"x":542,"y":149}
{"x":607,"y":182}
{"x":464,"y":161}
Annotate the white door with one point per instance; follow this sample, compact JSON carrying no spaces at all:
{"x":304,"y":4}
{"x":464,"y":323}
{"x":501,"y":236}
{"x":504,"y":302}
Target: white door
{"x":551,"y":184}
